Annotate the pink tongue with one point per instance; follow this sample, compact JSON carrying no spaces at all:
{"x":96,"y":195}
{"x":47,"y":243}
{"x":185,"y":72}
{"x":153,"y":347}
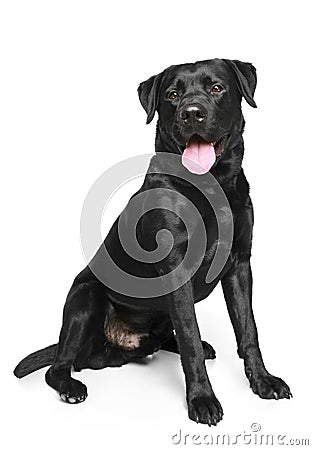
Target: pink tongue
{"x":198,"y":157}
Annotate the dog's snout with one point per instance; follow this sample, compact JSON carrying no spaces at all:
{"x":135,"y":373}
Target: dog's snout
{"x":193,"y":113}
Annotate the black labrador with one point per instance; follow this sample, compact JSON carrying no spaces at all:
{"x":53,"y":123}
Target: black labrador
{"x":200,"y":121}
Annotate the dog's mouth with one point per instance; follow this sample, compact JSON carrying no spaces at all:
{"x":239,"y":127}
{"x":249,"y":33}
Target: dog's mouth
{"x":200,"y":155}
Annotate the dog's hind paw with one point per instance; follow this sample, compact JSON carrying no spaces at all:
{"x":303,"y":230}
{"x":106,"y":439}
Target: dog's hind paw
{"x":171,"y":346}
{"x":74,"y":392}
{"x":208,"y":350}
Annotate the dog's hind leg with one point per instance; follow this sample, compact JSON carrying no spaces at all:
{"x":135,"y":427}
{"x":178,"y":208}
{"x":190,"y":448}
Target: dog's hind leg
{"x":83,"y":318}
{"x":171,"y":346}
{"x":106,"y":356}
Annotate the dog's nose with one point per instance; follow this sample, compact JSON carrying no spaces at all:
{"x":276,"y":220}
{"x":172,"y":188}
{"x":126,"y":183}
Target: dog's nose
{"x":192,"y":114}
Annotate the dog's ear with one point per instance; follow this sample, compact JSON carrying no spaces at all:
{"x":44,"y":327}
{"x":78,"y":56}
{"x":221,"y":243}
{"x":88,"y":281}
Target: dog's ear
{"x":148,"y":92}
{"x":246,"y":79}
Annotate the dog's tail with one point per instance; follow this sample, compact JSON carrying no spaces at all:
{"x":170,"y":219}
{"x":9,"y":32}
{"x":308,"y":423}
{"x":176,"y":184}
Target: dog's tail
{"x":35,"y":361}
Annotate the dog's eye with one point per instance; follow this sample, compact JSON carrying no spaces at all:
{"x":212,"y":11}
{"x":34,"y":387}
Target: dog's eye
{"x":217,"y":88}
{"x":173,"y":95}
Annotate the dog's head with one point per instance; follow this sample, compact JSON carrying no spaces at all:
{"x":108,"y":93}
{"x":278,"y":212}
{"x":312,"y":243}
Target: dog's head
{"x":199,"y":107}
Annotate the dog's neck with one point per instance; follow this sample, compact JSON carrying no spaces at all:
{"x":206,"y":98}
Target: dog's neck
{"x":227,"y":168}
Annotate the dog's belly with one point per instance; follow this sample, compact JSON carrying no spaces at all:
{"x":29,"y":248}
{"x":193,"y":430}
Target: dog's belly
{"x":121,"y":334}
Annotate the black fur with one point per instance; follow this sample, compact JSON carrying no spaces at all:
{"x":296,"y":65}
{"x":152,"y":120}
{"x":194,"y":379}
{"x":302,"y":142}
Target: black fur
{"x":91,"y":306}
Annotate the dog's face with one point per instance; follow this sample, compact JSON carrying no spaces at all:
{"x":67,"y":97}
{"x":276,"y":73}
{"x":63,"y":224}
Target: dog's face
{"x":199,"y":107}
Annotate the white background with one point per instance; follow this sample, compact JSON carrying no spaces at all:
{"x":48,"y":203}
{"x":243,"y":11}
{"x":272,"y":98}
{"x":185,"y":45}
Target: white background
{"x":69,"y":110}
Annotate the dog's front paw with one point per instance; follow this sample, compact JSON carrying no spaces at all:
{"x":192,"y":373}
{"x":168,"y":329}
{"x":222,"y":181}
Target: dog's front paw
{"x":267,"y":386}
{"x":205,"y":409}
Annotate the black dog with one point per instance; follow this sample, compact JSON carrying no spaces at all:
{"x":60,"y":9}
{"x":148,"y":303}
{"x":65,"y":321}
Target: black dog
{"x":200,"y":119}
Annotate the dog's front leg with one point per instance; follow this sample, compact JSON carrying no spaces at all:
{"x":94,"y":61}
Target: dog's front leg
{"x":203,"y":406}
{"x":237,"y":287}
